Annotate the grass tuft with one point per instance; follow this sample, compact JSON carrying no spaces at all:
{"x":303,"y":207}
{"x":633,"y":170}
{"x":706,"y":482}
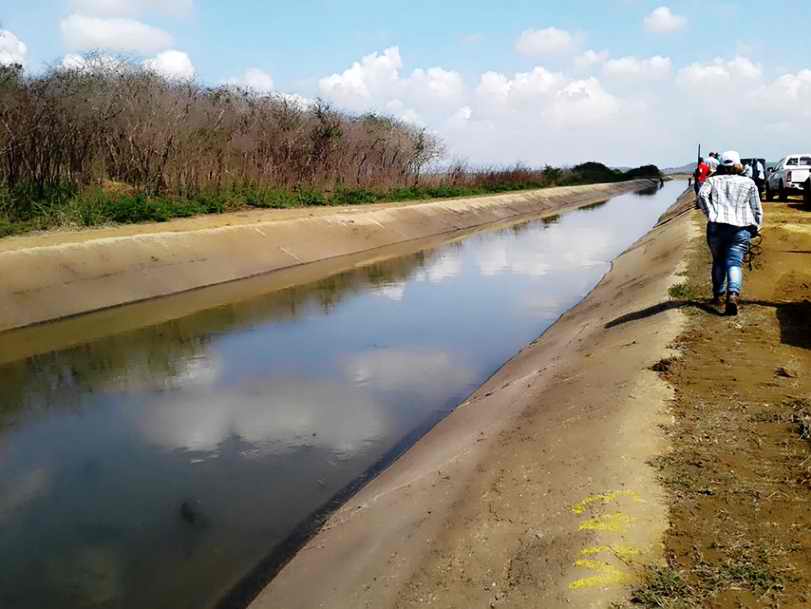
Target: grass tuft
{"x":681,"y":291}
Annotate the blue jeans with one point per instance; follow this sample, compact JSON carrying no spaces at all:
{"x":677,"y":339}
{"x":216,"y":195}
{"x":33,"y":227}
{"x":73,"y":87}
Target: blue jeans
{"x":728,"y":245}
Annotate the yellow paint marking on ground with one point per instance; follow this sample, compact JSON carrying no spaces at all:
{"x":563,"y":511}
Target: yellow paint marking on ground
{"x":608,"y":575}
{"x":610,"y":497}
{"x":613,"y":523}
{"x":621,"y":551}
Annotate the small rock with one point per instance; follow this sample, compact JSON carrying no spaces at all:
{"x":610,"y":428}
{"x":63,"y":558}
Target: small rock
{"x":663,"y":365}
{"x":787,"y":373}
{"x":191,"y":512}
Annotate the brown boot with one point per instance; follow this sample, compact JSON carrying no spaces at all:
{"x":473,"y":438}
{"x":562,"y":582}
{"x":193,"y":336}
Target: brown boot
{"x":716,"y":301}
{"x":732,"y":304}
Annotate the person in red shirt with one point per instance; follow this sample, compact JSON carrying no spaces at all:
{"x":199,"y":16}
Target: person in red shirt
{"x":701,"y":174}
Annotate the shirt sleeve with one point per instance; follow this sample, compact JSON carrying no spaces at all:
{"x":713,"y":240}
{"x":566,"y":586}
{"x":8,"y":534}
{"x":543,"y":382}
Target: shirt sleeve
{"x":703,"y":201}
{"x":756,"y":205}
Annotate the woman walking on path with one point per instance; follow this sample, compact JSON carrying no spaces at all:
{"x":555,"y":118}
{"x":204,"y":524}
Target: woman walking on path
{"x":731,"y":203}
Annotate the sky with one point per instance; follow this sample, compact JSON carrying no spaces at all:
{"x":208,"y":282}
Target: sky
{"x":625,"y":82}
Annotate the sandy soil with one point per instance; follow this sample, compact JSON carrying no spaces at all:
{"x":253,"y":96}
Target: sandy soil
{"x":535,"y":492}
{"x":739,"y":477}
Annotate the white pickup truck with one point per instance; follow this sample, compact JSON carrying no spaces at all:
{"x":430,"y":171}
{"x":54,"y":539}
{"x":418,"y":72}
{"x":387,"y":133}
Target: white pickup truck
{"x":788,"y":177}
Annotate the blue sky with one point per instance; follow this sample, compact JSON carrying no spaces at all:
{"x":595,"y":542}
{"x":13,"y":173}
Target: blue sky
{"x":652,"y":86}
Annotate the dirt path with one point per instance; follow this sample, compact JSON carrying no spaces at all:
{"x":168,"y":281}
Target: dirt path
{"x":535,"y":492}
{"x":739,"y":476}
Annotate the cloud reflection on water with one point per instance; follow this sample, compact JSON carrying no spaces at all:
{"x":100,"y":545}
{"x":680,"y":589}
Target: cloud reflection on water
{"x":394,"y":290}
{"x":535,"y":255}
{"x":448,"y":265}
{"x":423,"y":372}
{"x":273,"y":417}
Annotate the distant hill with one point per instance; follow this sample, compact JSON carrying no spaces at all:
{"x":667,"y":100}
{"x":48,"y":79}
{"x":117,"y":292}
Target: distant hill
{"x":593,"y":172}
{"x":689,"y":168}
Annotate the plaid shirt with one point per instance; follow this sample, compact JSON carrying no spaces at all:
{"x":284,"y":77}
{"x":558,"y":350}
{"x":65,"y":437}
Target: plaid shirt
{"x":731,"y":199}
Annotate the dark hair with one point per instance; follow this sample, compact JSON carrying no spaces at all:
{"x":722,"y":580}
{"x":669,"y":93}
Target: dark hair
{"x":701,"y":159}
{"x":730,"y":170}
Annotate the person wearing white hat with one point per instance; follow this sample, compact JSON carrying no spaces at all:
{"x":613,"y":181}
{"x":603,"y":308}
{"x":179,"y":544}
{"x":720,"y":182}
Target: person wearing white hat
{"x":731,"y":203}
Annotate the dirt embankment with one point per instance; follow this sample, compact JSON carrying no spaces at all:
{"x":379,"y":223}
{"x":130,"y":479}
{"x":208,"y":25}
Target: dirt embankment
{"x":535,"y":492}
{"x":739,"y":475}
{"x":57,"y":275}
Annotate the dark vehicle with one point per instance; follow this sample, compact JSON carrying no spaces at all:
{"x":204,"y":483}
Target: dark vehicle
{"x":759,"y":179}
{"x":807,"y":193}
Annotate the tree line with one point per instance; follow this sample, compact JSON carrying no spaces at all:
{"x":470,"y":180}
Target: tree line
{"x":111,"y":140}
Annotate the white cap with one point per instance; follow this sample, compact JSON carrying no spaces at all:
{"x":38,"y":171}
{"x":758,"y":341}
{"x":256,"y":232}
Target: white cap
{"x":730,"y":158}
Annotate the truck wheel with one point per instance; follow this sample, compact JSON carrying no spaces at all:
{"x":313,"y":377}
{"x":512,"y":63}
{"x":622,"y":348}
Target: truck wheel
{"x":783,"y":192}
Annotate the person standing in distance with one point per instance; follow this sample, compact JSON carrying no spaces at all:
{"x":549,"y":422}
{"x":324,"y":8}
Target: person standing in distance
{"x":700,"y":174}
{"x":713,"y":162}
{"x":734,"y":213}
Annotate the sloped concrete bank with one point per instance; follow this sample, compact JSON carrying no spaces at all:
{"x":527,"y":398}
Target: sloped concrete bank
{"x":536,"y":491}
{"x":58,"y":275}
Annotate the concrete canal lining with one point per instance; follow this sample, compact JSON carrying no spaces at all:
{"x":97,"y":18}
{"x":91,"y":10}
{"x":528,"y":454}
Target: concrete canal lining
{"x":63,"y":274}
{"x":508,"y":500}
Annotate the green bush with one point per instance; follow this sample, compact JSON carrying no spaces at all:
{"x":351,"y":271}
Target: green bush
{"x":308,"y":198}
{"x":7,"y":228}
{"x":412,"y":193}
{"x":96,"y":207}
{"x":357,"y":196}
{"x":272,"y":198}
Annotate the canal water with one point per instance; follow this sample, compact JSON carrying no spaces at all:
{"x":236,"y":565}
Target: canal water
{"x":157,"y":468}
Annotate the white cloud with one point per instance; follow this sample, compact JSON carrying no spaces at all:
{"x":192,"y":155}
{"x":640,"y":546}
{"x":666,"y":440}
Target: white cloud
{"x":91,"y":63}
{"x":260,"y":82}
{"x":582,"y":103}
{"x":590,"y":58}
{"x":375,"y":83}
{"x":548,"y":41}
{"x":459,"y":119}
{"x":172,"y":64}
{"x":81,"y":32}
{"x":794,"y":87}
{"x":542,"y":100}
{"x":663,"y":21}
{"x":254,"y":79}
{"x":656,"y":67}
{"x":718,"y":74}
{"x":375,"y":75}
{"x":12,"y":49}
{"x":436,"y":84}
{"x":787,"y":98}
{"x":543,"y":116}
{"x":295,"y":99}
{"x":130,"y":8}
{"x":496,"y":89}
